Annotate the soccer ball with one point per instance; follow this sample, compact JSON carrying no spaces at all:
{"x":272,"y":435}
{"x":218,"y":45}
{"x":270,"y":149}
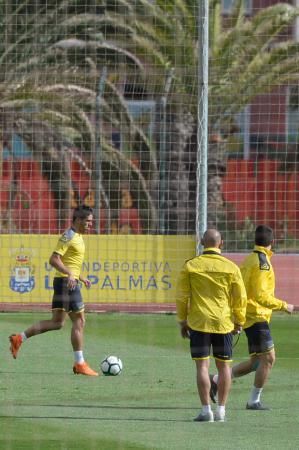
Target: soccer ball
{"x":111,"y":365}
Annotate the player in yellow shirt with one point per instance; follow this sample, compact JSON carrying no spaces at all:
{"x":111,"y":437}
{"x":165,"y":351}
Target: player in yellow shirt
{"x":211,"y":305}
{"x":67,"y":259}
{"x":259,"y":280}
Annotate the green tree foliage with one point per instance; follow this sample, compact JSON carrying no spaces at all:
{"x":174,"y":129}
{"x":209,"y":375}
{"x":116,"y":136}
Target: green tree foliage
{"x":51,"y":57}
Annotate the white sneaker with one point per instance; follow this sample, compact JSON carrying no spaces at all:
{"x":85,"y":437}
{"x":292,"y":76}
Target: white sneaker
{"x":208,"y":417}
{"x":219,"y":417}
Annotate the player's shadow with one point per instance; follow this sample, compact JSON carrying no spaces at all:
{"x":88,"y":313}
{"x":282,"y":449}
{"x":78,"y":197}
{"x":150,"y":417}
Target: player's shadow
{"x":104,"y":407}
{"x":146,"y":408}
{"x":106,"y":419}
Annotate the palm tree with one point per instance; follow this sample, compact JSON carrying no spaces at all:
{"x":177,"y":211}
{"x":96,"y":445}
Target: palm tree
{"x":43,"y":61}
{"x":163,"y":35}
{"x":56,"y":50}
{"x":247,"y":59}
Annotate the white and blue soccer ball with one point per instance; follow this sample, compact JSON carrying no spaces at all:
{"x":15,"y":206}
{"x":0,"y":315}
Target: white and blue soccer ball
{"x":111,"y":365}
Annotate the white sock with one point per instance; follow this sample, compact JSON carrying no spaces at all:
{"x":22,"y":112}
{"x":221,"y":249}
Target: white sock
{"x":220,"y":409}
{"x":23,"y":335}
{"x":206,"y":409}
{"x":78,"y":355}
{"x":215,"y":378}
{"x":255,"y":395}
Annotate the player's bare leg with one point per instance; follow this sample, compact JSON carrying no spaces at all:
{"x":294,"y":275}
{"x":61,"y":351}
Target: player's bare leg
{"x":203,"y":386}
{"x":55,"y":323}
{"x":203,"y":380}
{"x":80,"y":365}
{"x":224,"y":385}
{"x":224,"y":381}
{"x":78,"y":323}
{"x":245,"y":367}
{"x":238,"y":370}
{"x":266,"y":361}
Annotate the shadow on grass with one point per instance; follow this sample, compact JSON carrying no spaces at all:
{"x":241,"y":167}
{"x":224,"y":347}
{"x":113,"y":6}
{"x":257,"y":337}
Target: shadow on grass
{"x":9,"y":372}
{"x":106,"y":419}
{"x":145,"y":408}
{"x":100,"y":407}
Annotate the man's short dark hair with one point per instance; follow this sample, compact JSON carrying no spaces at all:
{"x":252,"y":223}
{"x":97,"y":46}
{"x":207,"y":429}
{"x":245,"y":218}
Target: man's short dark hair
{"x":263,"y":235}
{"x":81,"y":212}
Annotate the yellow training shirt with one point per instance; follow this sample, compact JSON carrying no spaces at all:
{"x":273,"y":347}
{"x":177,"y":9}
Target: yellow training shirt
{"x":71,"y":248}
{"x":210,"y":293}
{"x":259,"y":280}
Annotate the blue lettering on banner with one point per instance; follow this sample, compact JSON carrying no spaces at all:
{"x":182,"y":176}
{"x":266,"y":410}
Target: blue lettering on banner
{"x":167,"y":283}
{"x":168,"y":267}
{"x":96,"y":266}
{"x":85,"y":266}
{"x":124,"y":266}
{"x":157,"y":266}
{"x":48,"y":267}
{"x":123,"y":284}
{"x":133,"y":282}
{"x":151,"y":283}
{"x":107,"y":283}
{"x":121,"y":266}
{"x":115,"y":266}
{"x":93,"y":279}
{"x":118,"y":284}
{"x":48,"y":284}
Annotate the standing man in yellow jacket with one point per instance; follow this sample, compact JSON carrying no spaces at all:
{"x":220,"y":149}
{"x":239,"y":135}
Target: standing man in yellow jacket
{"x":211,"y":305}
{"x":259,"y":280}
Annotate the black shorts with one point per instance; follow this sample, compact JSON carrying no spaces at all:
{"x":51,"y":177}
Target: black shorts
{"x":259,"y":338}
{"x":65,"y":299}
{"x":201,"y":343}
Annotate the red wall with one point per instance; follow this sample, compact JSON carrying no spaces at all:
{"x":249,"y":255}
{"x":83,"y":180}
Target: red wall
{"x":32,"y":204}
{"x":259,"y":4}
{"x":260,"y":191}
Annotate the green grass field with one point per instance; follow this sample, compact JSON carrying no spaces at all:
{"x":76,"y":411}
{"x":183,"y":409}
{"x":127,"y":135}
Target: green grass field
{"x":151,"y":404}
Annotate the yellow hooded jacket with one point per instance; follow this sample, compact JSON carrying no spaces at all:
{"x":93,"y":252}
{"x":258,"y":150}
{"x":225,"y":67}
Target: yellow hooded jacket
{"x":259,"y":280}
{"x":211,"y":294}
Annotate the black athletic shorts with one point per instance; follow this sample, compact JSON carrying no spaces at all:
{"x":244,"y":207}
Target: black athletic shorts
{"x":66,"y":299}
{"x":201,"y":343}
{"x":259,"y":338}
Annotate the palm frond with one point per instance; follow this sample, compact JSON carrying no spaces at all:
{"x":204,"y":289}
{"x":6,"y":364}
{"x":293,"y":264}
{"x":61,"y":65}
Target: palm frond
{"x":119,"y":160}
{"x":77,"y":50}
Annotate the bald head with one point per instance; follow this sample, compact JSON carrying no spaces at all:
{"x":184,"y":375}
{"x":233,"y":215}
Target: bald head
{"x":211,"y":238}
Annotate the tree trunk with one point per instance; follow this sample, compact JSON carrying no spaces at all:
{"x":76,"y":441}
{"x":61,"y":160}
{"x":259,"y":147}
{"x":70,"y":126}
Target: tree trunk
{"x":217,"y":158}
{"x":177,"y":172}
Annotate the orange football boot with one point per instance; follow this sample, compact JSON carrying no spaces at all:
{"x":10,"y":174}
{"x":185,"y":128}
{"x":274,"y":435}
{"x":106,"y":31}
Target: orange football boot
{"x":84,"y":369}
{"x":15,"y":344}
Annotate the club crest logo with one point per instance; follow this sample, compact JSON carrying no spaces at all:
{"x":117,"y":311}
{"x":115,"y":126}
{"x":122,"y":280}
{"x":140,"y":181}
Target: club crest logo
{"x":22,"y":271}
